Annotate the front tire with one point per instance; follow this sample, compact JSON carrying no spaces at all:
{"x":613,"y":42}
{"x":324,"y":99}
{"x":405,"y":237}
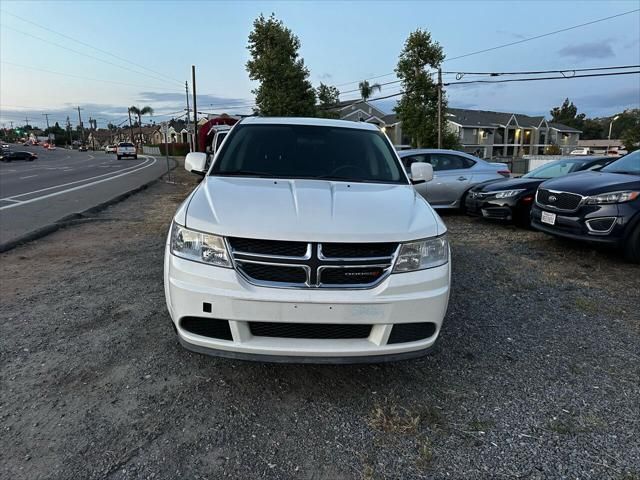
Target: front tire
{"x":632,"y":245}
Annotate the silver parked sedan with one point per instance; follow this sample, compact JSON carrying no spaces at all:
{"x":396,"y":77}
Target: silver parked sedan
{"x":454,"y":174}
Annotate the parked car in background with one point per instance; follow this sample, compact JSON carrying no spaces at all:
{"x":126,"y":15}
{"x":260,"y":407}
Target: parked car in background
{"x":126,"y":149}
{"x":511,"y":199}
{"x":10,"y":156}
{"x":110,"y":149}
{"x":306,"y":242}
{"x":5,"y":145}
{"x":582,"y":151}
{"x":595,"y":206}
{"x":454,"y":174}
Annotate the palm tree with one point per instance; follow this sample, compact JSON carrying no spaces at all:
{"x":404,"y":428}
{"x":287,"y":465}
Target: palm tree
{"x":367,"y":89}
{"x":139,"y":112}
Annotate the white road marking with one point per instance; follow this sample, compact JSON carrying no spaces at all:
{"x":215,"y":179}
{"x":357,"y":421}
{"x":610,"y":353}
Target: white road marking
{"x":28,"y":176}
{"x":137,"y":168}
{"x":10,"y":200}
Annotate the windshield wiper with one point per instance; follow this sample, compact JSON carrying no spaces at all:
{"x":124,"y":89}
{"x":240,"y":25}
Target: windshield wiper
{"x":243,"y":173}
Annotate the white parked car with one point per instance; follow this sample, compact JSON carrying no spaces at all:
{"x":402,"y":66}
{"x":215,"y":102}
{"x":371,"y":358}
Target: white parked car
{"x":126,"y":149}
{"x":110,"y":149}
{"x":582,"y":151}
{"x":306,"y":242}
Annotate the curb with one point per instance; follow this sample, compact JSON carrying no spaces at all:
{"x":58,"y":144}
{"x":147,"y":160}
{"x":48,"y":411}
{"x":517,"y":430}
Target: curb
{"x":74,"y":217}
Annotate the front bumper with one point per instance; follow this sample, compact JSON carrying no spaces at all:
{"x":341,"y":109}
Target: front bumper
{"x":416,"y":297}
{"x":505,"y":210}
{"x":574,"y":225}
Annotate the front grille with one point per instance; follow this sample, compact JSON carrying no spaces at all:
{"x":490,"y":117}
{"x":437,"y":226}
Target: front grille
{"x":358,"y":250}
{"x":411,"y":332}
{"x":309,"y":330}
{"x":558,"y":200}
{"x":350,"y":276}
{"x":273,"y":273}
{"x":601,"y":225}
{"x":207,"y":327}
{"x":274,"y":263}
{"x":268,"y":247}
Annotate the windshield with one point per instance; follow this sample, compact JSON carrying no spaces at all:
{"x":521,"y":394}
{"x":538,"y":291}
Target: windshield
{"x":627,"y":164}
{"x":554,"y":169}
{"x":303,"y":151}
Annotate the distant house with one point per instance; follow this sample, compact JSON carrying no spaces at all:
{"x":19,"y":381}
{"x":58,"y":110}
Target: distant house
{"x":601,"y":146}
{"x":484,"y":133}
{"x":501,"y":134}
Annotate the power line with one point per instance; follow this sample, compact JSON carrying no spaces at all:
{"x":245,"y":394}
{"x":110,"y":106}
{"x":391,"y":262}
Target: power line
{"x":539,"y":72}
{"x":528,"y":39}
{"x":87,"y":45}
{"x":508,"y":80}
{"x":86,"y":54}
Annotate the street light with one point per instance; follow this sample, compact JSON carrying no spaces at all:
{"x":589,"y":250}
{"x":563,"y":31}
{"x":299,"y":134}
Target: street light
{"x":609,"y":137}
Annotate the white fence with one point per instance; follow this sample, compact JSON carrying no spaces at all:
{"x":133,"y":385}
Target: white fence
{"x":150,"y":150}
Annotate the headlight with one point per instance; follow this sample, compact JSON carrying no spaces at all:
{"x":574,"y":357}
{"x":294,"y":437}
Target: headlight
{"x":507,"y":193}
{"x":612,"y":197}
{"x":422,"y":254}
{"x":198,"y":246}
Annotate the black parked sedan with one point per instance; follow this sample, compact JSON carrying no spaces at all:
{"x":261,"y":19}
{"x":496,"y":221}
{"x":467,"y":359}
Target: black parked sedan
{"x":511,"y":200}
{"x":599,"y":207}
{"x":10,"y":156}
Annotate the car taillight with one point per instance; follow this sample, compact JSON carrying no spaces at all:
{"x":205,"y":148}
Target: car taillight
{"x":504,"y":173}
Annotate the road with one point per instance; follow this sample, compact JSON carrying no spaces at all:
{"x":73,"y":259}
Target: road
{"x":34,"y":195}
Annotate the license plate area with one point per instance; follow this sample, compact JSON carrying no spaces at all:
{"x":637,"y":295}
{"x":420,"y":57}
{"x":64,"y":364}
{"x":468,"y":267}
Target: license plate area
{"x":548,"y":218}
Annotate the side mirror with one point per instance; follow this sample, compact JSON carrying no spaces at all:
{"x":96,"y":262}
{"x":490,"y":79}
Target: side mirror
{"x":195,"y":163}
{"x":421,"y":172}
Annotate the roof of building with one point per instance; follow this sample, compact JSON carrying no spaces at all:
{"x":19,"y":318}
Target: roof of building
{"x":326,"y":122}
{"x":600,"y":143}
{"x":563,"y":128}
{"x":490,"y":119}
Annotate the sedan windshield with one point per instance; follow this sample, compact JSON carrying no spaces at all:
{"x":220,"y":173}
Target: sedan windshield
{"x":628,"y":164}
{"x":313,"y":152}
{"x":554,"y":169}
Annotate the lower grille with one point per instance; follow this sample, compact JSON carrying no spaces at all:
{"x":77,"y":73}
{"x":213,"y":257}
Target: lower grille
{"x":601,"y":225}
{"x":308,"y":330}
{"x":207,"y":327}
{"x":558,"y":200}
{"x":411,"y":332}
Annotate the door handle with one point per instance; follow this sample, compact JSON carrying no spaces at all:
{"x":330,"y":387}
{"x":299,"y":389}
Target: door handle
{"x":462,"y":179}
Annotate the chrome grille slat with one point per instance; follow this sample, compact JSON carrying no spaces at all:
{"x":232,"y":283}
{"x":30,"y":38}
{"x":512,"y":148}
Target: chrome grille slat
{"x":558,"y":201}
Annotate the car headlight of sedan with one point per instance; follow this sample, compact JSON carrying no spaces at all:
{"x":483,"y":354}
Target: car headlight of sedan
{"x":612,"y":197}
{"x":507,"y":193}
{"x":199,"y":247}
{"x":429,"y":253}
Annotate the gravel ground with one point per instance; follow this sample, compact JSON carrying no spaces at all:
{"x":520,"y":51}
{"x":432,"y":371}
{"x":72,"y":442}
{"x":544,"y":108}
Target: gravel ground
{"x":537,"y":373}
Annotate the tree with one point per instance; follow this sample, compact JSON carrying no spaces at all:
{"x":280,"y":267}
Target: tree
{"x":626,"y":120}
{"x":418,"y":106}
{"x":139,"y":112}
{"x":328,"y":100}
{"x":593,"y":129}
{"x":567,"y":114}
{"x":631,"y":139}
{"x":367,"y":89}
{"x":284,"y":89}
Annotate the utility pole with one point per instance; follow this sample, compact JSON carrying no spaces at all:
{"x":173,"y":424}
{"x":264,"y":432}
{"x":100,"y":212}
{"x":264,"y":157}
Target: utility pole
{"x":81,"y":125}
{"x":92,"y":126}
{"x":69,"y":130}
{"x":130,"y":125}
{"x":439,"y":108}
{"x":186,"y":91}
{"x":195,"y":110}
{"x":46,"y":115}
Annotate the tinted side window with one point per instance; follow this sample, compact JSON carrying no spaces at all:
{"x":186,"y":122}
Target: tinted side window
{"x":411,"y":159}
{"x":446,"y":161}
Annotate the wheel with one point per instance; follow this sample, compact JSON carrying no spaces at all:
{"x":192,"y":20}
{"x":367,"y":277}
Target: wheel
{"x":31,"y":159}
{"x":119,"y":157}
{"x":463,"y":200}
{"x":632,"y":245}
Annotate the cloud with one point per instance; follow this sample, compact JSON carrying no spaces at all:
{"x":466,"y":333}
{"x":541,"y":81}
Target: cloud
{"x":585,"y":51}
{"x":179,"y":99}
{"x":619,"y":99}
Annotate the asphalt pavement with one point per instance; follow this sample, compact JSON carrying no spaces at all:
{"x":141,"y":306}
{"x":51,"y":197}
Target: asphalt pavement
{"x":34,"y":196}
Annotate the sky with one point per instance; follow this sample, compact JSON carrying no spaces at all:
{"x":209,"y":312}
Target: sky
{"x":104,"y":56}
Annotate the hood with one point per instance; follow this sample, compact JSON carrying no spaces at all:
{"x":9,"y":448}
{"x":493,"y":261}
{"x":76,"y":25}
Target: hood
{"x":592,"y":183}
{"x":311,"y":210}
{"x":511,"y":184}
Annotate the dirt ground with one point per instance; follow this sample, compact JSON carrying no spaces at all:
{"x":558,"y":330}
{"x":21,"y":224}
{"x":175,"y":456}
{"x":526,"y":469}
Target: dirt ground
{"x":536,"y":375}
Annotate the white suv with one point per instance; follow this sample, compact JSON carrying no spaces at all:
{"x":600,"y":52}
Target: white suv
{"x":126,"y":149}
{"x":306,"y":242}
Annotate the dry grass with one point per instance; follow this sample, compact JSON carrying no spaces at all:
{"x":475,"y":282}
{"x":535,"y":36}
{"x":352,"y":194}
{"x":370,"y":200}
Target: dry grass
{"x":393,"y":419}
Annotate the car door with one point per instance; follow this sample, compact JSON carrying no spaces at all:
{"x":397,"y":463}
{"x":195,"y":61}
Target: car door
{"x":421,"y":188}
{"x":451,"y":178}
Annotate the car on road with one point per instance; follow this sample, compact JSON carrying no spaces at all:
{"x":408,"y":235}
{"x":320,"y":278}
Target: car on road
{"x":511,"y":199}
{"x":582,"y":151}
{"x":306,"y":242}
{"x":110,"y":149}
{"x":126,"y":149}
{"x":18,"y":155}
{"x":595,"y":206}
{"x":454,"y":174}
{"x":83,"y":148}
{"x":5,"y":146}
{"x":51,"y":147}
